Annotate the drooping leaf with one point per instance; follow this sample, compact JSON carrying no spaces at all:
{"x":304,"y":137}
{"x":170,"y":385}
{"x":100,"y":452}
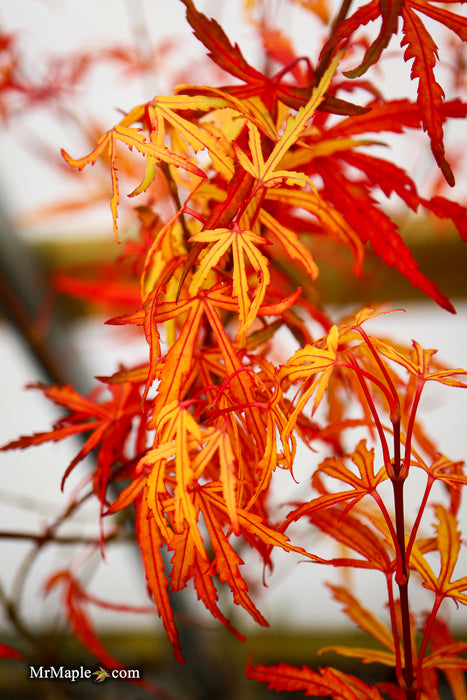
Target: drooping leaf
{"x":184,"y":559}
{"x":326,"y":682}
{"x":150,"y":543}
{"x":177,"y":363}
{"x":390,"y":11}
{"x":227,"y":561}
{"x":220,"y":442}
{"x":445,"y":651}
{"x":206,"y":591}
{"x":419,"y":364}
{"x":379,"y":230}
{"x":197,"y":137}
{"x":132,"y":137}
{"x":364,"y":618}
{"x":448,"y":545}
{"x":229,"y":57}
{"x":78,"y":616}
{"x":255,"y":525}
{"x":291,"y":243}
{"x":243,"y":246}
{"x":421,"y":48}
{"x":177,"y":423}
{"x":111,"y":418}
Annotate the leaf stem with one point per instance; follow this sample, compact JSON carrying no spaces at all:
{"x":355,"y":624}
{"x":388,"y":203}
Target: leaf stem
{"x":355,"y":366}
{"x":413,"y":411}
{"x":395,"y":407}
{"x":48,"y":538}
{"x":427,"y":633}
{"x":421,"y":510}
{"x":361,"y":374}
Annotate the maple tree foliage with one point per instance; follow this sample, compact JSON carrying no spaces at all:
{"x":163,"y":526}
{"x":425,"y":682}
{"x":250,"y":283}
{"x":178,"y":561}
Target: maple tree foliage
{"x":253,"y":172}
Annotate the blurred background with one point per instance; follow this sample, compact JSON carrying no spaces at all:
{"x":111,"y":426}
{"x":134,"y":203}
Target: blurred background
{"x":106,"y":56}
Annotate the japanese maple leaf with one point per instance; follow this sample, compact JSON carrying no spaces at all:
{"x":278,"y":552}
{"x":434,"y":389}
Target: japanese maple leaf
{"x":101,"y":675}
{"x":444,"y":655}
{"x":332,"y":221}
{"x":392,"y":179}
{"x":393,"y":116}
{"x":448,"y":544}
{"x":267,"y":173}
{"x":323,"y":683}
{"x":227,"y":561}
{"x":356,"y":204}
{"x":419,"y":364}
{"x":108,"y":422}
{"x":313,"y":365}
{"x":361,"y":484}
{"x":351,"y":531}
{"x":132,"y":137}
{"x":177,"y":366}
{"x":291,"y":244}
{"x":198,"y":137}
{"x":75,"y":603}
{"x":150,"y":543}
{"x":271,"y":90}
{"x":175,"y":425}
{"x":445,"y":470}
{"x":243,"y":246}
{"x":365,"y":619}
{"x":420,"y":47}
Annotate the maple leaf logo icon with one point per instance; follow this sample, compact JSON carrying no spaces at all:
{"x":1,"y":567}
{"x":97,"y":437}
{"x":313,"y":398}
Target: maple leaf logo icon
{"x":101,"y":675}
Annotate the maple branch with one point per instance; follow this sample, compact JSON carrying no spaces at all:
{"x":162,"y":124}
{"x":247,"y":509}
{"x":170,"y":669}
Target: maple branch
{"x":172,"y":185}
{"x":398,"y":478}
{"x":11,"y":614}
{"x":46,"y":538}
{"x":403,"y":584}
{"x":395,"y":631}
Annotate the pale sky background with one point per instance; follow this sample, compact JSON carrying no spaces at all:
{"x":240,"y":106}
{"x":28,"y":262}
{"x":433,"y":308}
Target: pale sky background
{"x":58,"y":26}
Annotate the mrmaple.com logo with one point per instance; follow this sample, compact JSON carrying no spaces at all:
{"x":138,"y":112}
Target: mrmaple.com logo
{"x":81,"y":673}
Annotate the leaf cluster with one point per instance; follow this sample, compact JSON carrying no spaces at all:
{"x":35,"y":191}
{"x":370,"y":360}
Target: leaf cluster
{"x":256,"y":173}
